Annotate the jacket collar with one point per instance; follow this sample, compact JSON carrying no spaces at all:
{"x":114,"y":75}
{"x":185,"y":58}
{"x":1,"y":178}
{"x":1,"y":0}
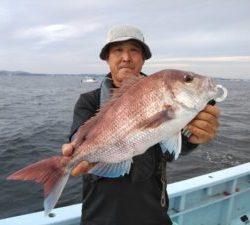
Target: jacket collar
{"x":107,"y":87}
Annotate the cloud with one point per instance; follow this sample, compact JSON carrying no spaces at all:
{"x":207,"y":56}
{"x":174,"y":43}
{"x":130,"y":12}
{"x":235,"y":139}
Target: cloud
{"x":48,"y":34}
{"x":203,"y":59}
{"x":218,"y":66}
{"x":55,"y":32}
{"x":4,"y":15}
{"x":181,"y":34}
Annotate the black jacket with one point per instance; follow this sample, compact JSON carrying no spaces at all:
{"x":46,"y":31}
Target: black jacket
{"x":133,"y":199}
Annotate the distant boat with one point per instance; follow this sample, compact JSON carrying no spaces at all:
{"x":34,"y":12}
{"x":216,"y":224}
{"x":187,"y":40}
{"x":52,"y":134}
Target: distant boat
{"x":89,"y":80}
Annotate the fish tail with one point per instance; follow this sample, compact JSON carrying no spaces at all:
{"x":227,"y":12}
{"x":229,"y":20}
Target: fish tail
{"x":53,"y":173}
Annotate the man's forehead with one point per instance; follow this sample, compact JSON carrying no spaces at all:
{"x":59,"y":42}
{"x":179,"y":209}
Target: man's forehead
{"x":131,"y":42}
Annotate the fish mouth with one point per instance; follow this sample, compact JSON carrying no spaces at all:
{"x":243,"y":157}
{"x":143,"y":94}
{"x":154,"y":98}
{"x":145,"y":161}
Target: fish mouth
{"x":219,"y":92}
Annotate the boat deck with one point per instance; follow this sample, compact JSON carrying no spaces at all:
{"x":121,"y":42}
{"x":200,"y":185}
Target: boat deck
{"x":218,"y":198}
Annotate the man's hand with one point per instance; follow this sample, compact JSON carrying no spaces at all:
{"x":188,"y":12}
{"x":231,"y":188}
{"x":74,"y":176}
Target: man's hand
{"x":82,"y":167}
{"x":205,"y":125}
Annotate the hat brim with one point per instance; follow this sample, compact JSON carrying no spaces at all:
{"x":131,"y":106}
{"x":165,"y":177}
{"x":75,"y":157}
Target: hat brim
{"x":146,"y":51}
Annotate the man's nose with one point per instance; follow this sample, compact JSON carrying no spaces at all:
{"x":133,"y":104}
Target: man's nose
{"x":126,"y":56}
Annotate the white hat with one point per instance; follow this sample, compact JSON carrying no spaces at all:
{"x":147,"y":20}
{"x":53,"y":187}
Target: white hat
{"x":124,"y":33}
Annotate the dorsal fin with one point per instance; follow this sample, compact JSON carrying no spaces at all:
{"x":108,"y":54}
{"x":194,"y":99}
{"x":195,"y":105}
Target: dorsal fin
{"x":118,"y":92}
{"x":86,"y":130}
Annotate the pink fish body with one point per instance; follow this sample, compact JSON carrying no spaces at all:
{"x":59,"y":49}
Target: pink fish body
{"x":143,"y":112}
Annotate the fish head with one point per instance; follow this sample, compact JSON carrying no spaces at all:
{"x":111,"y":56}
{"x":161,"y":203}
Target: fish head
{"x":193,"y":91}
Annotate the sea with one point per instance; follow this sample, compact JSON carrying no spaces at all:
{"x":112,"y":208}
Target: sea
{"x":35,"y":119}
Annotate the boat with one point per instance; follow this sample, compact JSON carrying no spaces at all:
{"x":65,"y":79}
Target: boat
{"x":217,"y":198}
{"x":89,"y":80}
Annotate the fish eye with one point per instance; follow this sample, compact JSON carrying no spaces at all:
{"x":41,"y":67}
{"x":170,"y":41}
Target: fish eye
{"x":188,"y":78}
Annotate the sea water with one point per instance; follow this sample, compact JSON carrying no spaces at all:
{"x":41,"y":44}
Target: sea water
{"x":36,"y":115}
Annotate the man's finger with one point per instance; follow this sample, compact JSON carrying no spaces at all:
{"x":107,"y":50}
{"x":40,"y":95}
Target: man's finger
{"x":82,"y":168}
{"x":200,"y":136}
{"x":67,"y":149}
{"x":202,"y":125}
{"x":213,"y":110}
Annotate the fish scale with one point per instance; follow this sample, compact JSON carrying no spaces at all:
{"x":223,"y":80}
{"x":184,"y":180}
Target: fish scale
{"x":128,"y":128}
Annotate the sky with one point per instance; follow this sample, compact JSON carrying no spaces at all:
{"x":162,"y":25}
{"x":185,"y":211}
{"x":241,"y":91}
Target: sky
{"x":211,"y":37}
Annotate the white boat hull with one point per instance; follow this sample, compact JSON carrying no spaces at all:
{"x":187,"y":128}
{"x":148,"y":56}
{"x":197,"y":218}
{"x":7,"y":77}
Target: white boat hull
{"x":221,"y":197}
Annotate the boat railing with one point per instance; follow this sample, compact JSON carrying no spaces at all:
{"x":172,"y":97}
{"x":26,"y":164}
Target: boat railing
{"x":217,"y":198}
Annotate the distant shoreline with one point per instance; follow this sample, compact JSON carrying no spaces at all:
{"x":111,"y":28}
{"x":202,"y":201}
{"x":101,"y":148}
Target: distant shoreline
{"x":23,"y":73}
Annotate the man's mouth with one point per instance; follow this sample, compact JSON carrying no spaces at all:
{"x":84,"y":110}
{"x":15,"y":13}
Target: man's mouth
{"x":129,"y":67}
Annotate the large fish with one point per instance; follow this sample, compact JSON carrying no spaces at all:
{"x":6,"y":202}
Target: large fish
{"x":143,"y":112}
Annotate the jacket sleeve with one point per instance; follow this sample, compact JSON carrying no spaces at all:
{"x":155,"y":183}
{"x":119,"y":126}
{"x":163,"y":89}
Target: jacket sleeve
{"x":85,"y":107}
{"x":187,"y":147}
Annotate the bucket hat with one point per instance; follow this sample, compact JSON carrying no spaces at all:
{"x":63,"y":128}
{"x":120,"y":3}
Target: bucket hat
{"x":124,"y":33}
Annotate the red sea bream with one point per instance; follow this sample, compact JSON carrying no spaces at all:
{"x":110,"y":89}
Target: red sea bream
{"x":143,"y":112}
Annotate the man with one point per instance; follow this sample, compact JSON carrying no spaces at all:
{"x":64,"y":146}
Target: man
{"x":139,"y":197}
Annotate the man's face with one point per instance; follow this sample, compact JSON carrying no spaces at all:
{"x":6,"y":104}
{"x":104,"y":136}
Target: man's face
{"x":125,"y":59}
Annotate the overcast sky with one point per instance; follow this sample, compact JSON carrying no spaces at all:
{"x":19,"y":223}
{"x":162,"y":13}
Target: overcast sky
{"x":65,"y":36}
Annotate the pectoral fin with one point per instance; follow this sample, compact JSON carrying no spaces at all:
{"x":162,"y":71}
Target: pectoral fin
{"x":156,"y":120}
{"x":111,"y":170}
{"x":173,"y":145}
